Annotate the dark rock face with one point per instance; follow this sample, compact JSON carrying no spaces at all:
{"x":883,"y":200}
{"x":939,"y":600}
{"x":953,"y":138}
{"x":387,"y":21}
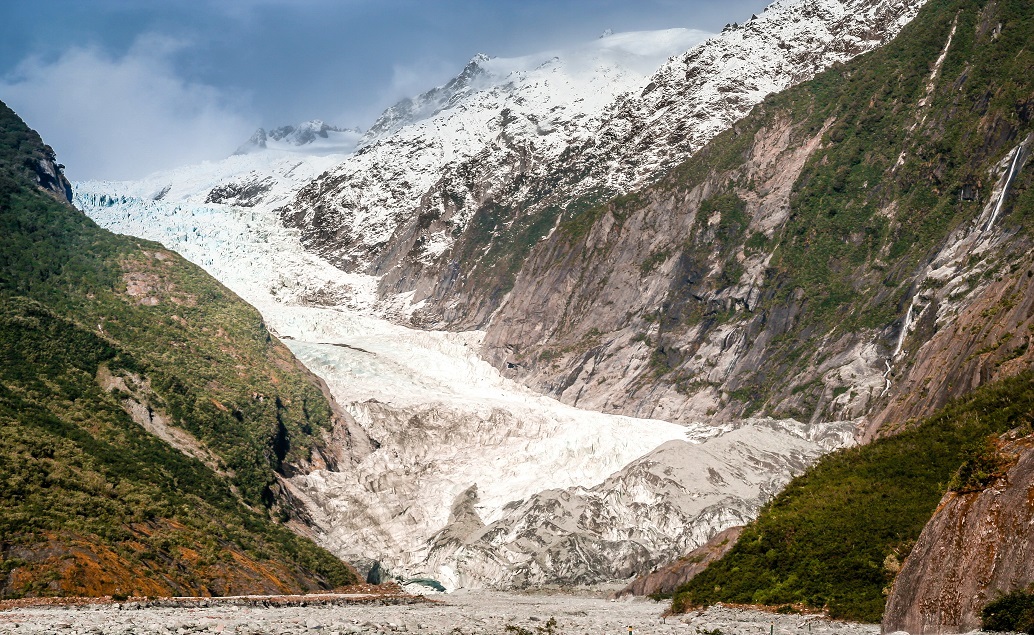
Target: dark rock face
{"x":241,"y":194}
{"x":49,"y":176}
{"x":256,"y":143}
{"x":377,"y":574}
{"x":668,"y":578}
{"x":977,"y":546}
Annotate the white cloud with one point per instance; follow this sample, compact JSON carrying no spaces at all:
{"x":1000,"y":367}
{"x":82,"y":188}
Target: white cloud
{"x":406,"y":80}
{"x":125,"y":117}
{"x":412,"y":79}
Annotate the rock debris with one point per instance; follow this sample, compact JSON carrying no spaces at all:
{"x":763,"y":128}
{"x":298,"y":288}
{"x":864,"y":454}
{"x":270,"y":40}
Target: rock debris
{"x":458,"y":613}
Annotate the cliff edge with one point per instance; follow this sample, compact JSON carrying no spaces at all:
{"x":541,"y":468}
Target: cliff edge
{"x":978,"y":546}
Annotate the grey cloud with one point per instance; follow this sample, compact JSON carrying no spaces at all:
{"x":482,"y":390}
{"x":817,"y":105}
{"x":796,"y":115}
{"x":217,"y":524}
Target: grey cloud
{"x":124,"y":117}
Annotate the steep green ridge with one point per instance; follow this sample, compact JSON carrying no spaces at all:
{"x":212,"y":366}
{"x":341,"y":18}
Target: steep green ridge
{"x":874,"y":105}
{"x":752,"y":294}
{"x":835,"y":537}
{"x":860,"y":225}
{"x":95,"y":327}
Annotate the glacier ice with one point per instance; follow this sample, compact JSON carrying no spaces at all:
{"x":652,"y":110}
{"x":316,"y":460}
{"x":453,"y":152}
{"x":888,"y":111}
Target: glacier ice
{"x":477,"y":481}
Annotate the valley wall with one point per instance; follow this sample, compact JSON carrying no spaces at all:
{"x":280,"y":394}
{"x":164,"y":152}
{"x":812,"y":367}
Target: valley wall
{"x":977,"y":547}
{"x":802,"y":264}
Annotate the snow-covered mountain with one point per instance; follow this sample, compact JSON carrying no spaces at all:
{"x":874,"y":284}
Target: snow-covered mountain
{"x":471,"y":478}
{"x":702,"y":92}
{"x":532,"y":107}
{"x":310,"y":137}
{"x":441,"y":179}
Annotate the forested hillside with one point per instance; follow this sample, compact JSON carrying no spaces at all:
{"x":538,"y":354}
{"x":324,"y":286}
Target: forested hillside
{"x":146,"y":412}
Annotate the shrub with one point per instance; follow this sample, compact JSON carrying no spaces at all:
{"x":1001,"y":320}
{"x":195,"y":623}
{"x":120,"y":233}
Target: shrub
{"x":1013,"y":613}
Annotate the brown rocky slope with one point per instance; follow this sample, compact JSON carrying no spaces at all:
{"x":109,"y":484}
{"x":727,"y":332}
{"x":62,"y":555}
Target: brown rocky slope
{"x":666,"y":579}
{"x":979,"y":545}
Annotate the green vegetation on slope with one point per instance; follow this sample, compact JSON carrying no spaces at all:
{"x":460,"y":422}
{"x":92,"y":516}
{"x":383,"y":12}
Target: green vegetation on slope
{"x":75,"y":470}
{"x":842,"y":223}
{"x":1012,"y":613}
{"x":873,"y":203}
{"x":834,"y":538}
{"x":861,"y":223}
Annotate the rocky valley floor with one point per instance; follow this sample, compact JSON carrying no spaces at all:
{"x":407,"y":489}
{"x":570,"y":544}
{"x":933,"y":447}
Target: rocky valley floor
{"x":456,"y":613}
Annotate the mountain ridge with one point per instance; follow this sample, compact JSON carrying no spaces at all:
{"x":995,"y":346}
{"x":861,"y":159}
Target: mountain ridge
{"x":105,"y":339}
{"x":677,"y":277}
{"x":315,"y":135}
{"x":399,"y":519}
{"x":460,"y":240}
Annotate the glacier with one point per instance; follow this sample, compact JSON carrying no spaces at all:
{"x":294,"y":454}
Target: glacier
{"x":448,"y":423}
{"x":474,"y":480}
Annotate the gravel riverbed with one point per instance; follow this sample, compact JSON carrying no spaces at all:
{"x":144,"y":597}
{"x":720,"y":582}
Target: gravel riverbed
{"x":458,"y":613}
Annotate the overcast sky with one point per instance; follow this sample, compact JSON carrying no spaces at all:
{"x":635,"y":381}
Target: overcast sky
{"x":122,"y":88}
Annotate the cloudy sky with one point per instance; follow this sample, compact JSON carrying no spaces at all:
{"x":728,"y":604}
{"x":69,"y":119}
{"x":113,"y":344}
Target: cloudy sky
{"x":122,"y":88}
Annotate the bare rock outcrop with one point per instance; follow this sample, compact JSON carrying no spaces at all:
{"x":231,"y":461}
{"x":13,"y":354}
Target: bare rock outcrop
{"x":978,"y":546}
{"x":51,"y":178}
{"x":671,"y":576}
{"x":620,"y":319}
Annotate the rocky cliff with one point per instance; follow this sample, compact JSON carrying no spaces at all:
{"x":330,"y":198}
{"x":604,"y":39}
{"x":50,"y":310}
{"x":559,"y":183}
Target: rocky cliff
{"x":978,"y":546}
{"x":666,"y":579}
{"x":800,"y":263}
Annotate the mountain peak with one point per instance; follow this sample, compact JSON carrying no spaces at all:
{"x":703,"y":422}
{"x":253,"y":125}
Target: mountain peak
{"x":314,"y":135}
{"x":256,"y":143}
